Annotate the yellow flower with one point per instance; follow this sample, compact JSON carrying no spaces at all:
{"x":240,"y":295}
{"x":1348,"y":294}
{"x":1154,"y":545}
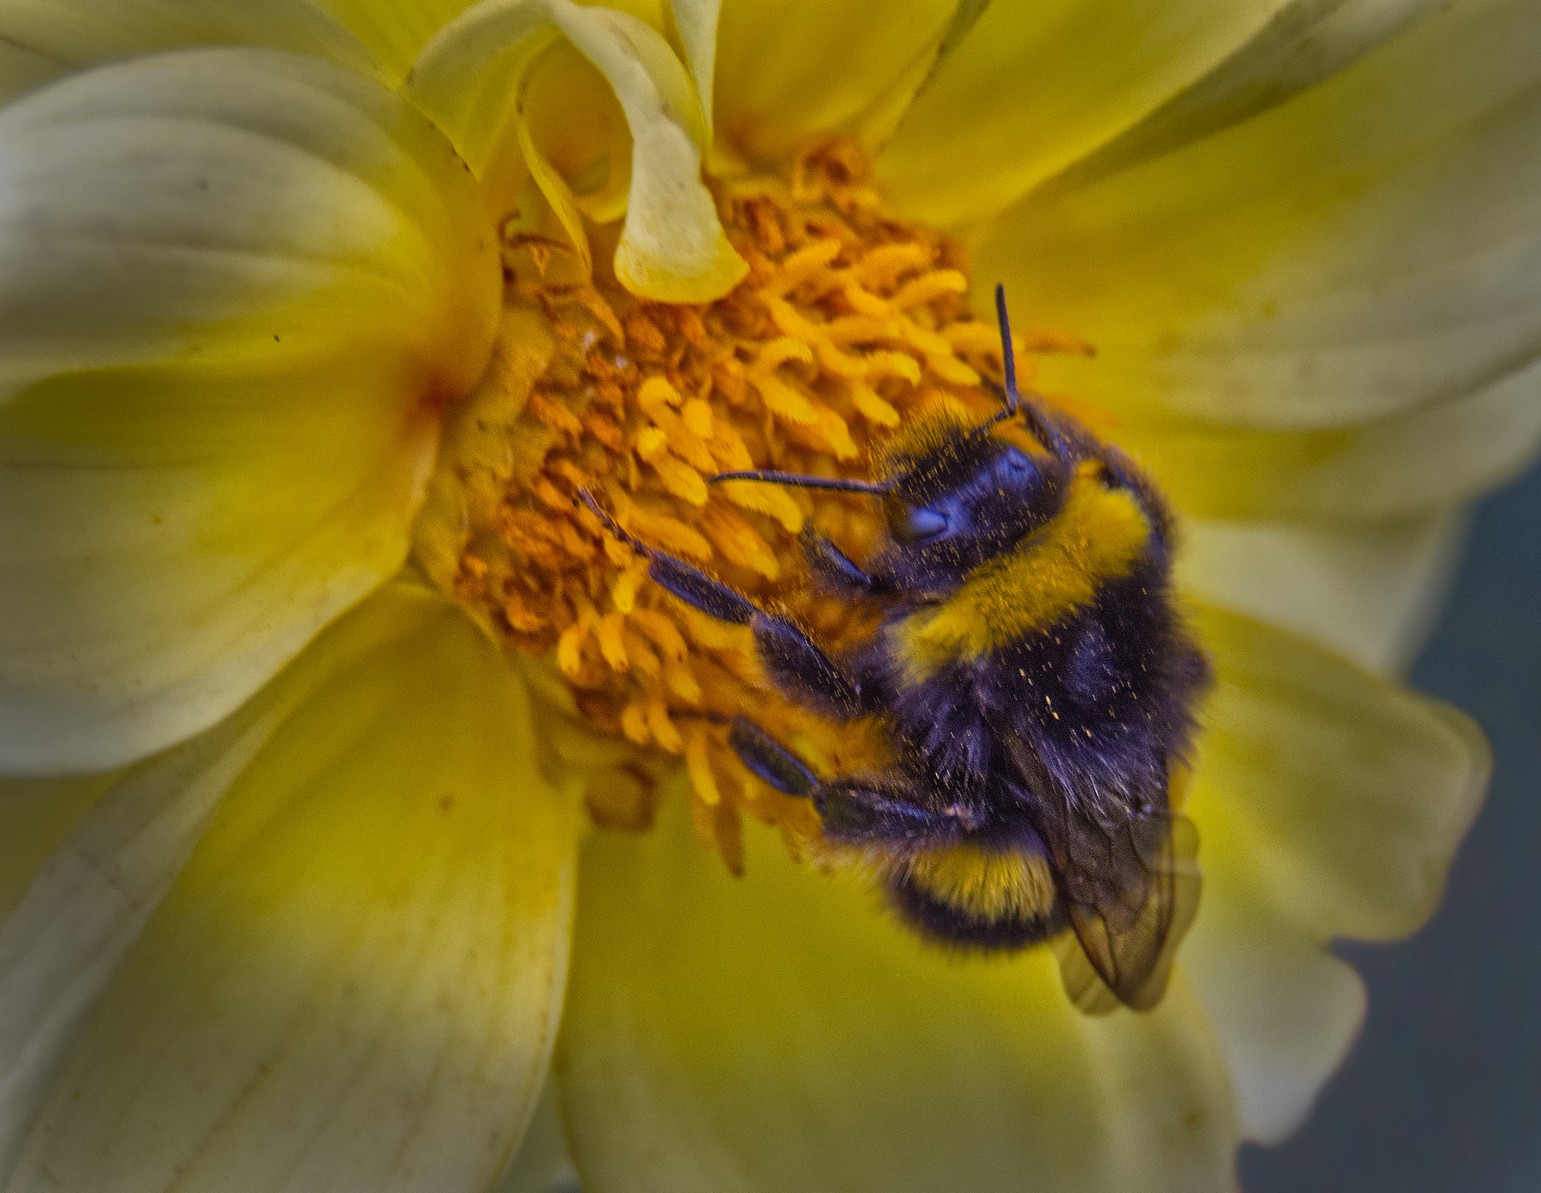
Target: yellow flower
{"x":313,"y":679}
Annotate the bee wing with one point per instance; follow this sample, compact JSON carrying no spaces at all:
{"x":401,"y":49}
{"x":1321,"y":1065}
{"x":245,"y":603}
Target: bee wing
{"x":1131,"y":889}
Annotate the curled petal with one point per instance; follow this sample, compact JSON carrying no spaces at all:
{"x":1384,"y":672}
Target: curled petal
{"x":398,"y":31}
{"x":672,"y":246}
{"x":695,"y":24}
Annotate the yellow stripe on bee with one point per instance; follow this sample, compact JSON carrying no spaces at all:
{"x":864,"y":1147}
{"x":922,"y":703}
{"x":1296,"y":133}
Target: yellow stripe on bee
{"x":991,"y":885}
{"x":1097,"y":536}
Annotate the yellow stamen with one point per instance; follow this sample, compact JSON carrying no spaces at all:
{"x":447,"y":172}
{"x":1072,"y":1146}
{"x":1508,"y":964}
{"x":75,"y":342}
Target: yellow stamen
{"x":849,"y":324}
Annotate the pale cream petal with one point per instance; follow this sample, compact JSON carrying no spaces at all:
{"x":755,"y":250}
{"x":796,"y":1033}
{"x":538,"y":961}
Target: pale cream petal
{"x":780,"y":1032}
{"x":41,"y":40}
{"x":1329,"y":803}
{"x":354,"y":981}
{"x":1037,"y":89}
{"x":672,"y":247}
{"x":1365,"y":249}
{"x":1284,"y":1007}
{"x":234,"y":288}
{"x":1368,"y":592}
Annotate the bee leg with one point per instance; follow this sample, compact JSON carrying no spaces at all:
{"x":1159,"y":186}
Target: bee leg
{"x":767,"y":759}
{"x":873,"y":809}
{"x":879,"y":810}
{"x":802,"y":669}
{"x":792,"y":658}
{"x":835,"y":569}
{"x":853,"y":809}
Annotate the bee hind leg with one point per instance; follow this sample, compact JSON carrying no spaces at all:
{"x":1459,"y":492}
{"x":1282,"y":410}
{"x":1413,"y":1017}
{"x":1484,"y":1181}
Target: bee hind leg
{"x":770,"y":761}
{"x":870,"y":808}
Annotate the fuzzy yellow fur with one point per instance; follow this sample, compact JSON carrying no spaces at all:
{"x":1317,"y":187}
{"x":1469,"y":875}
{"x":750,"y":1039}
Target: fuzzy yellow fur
{"x":987,"y":884}
{"x":1097,"y":536}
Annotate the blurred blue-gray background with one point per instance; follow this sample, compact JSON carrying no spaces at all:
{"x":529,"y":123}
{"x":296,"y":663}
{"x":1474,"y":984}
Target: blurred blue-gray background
{"x":1442,"y":1093}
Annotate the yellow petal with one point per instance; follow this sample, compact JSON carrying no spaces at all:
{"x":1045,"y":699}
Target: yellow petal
{"x":41,"y":40}
{"x":543,"y":1163}
{"x":1404,"y":465}
{"x":397,"y":30}
{"x":672,"y":247}
{"x":1330,"y":803}
{"x":108,"y":855}
{"x":1033,"y":87}
{"x":1305,"y":42}
{"x":695,"y":26}
{"x":354,"y":981}
{"x":1285,"y":1009}
{"x":234,"y":287}
{"x":1360,"y":251}
{"x":1367,"y":592}
{"x":788,"y":72}
{"x":780,"y":1032}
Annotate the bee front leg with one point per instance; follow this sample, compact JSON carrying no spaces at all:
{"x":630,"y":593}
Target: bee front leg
{"x":793,"y":659}
{"x":836,"y":570}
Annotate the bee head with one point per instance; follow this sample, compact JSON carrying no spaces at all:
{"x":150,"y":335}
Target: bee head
{"x":955,"y":495}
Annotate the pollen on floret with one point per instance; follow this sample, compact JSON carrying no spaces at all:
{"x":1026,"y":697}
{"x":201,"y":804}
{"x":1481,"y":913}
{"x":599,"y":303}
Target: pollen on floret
{"x":849,"y":323}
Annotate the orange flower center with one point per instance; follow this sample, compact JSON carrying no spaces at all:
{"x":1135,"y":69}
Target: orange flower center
{"x":849,"y":322}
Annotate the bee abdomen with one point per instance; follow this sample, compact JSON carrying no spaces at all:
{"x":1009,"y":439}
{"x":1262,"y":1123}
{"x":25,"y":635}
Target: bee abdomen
{"x":978,"y":896}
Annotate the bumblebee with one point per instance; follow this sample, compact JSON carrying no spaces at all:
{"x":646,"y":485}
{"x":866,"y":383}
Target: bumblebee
{"x":1033,"y":682}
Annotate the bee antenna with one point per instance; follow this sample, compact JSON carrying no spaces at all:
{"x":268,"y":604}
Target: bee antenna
{"x":1040,"y":425}
{"x":799,"y":481}
{"x":1008,"y":354}
{"x":614,"y":527}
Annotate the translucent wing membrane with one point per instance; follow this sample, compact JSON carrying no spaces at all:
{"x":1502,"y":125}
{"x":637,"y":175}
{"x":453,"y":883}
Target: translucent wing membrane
{"x":1130,"y":894}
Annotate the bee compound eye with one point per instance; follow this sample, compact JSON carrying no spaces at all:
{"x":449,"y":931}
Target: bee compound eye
{"x":1014,"y":463}
{"x":921,"y":523}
